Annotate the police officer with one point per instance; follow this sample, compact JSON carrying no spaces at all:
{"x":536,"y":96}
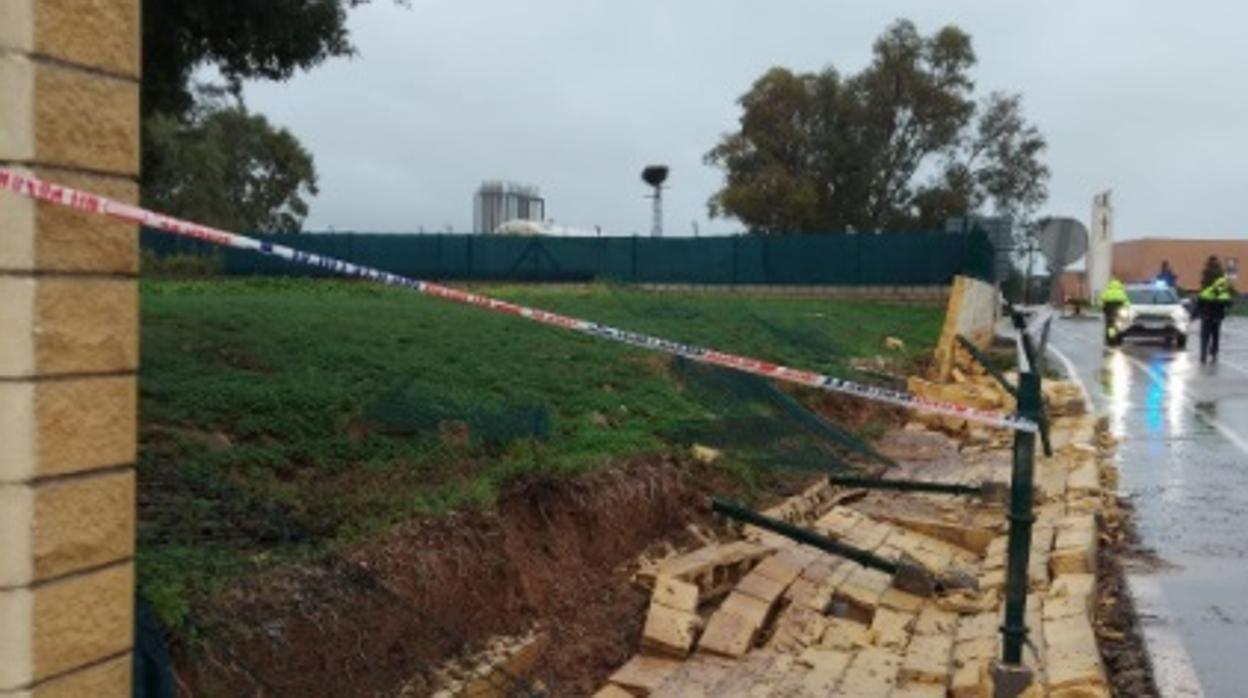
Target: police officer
{"x":1211,"y":306}
{"x":1113,"y":299}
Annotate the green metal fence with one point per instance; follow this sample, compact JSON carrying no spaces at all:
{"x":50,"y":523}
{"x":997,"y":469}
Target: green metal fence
{"x":902,"y":258}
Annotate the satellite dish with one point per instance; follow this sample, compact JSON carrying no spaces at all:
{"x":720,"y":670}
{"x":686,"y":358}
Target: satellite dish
{"x":1062,"y":241}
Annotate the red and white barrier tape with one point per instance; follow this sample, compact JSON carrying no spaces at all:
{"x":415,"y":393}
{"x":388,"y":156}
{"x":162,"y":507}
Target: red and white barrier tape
{"x":40,"y":190}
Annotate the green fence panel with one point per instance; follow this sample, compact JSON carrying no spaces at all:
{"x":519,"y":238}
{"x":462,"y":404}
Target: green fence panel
{"x":900,"y":258}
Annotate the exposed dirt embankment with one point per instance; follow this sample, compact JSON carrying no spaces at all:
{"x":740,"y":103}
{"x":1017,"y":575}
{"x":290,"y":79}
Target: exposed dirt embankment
{"x":554,"y":552}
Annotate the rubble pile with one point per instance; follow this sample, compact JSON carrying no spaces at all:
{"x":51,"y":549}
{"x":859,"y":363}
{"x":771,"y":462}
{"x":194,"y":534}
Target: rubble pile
{"x":765,"y":616}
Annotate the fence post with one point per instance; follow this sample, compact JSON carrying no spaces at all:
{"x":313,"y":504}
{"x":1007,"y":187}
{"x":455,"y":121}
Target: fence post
{"x":1010,"y":676}
{"x":634,"y":258}
{"x":736,"y":244}
{"x":858,"y":258}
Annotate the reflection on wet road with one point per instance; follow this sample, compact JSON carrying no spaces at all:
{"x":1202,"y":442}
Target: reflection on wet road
{"x":1184,"y":462}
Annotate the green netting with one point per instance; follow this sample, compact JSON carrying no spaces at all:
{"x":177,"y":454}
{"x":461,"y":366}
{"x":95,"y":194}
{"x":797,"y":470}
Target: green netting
{"x":752,"y":420}
{"x":409,"y":410}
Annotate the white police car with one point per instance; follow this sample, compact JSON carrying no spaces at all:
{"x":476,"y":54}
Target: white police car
{"x":1156,"y":310}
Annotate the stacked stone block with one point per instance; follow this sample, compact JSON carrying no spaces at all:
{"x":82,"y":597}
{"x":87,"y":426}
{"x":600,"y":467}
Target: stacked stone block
{"x":69,"y":99}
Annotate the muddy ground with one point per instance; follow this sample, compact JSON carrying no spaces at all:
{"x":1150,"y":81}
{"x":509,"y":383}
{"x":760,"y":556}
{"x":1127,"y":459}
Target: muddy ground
{"x":554,"y":552}
{"x":1118,"y":628}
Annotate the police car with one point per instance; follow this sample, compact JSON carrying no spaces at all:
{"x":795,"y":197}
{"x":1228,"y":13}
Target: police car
{"x":1156,"y":310}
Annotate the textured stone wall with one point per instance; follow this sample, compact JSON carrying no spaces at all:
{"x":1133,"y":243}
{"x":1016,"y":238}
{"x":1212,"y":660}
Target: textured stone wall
{"x":972,"y":312}
{"x":69,"y":99}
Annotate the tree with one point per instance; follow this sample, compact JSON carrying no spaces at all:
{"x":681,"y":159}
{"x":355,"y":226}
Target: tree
{"x":901,"y":143}
{"x":242,"y":39}
{"x":226,"y":167}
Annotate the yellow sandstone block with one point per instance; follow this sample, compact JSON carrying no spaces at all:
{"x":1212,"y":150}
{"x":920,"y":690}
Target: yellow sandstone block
{"x":796,"y":628}
{"x":668,"y":631}
{"x":929,"y":659}
{"x":110,"y":679}
{"x":613,"y":691}
{"x":892,"y":628}
{"x":933,"y":620}
{"x":871,"y":672}
{"x":84,"y":326}
{"x":69,"y":240}
{"x":643,"y":673}
{"x":86,"y":120}
{"x":826,"y":669}
{"x":56,"y":627}
{"x":899,"y":600}
{"x":844,"y":635}
{"x":675,"y":593}
{"x":782,"y":567}
{"x":1073,"y":658}
{"x":919,"y":690}
{"x":758,"y":585}
{"x":734,"y":627}
{"x":83,"y":522}
{"x":861,"y":592}
{"x":103,"y":35}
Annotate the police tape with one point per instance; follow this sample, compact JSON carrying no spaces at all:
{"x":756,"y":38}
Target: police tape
{"x":41,"y":190}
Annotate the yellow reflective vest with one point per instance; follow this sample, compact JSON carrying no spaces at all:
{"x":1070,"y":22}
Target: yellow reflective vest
{"x":1115,"y":292}
{"x":1217,"y":292}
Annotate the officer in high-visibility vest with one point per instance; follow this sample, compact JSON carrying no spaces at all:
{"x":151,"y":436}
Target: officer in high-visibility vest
{"x":1113,"y":299}
{"x":1211,"y":306}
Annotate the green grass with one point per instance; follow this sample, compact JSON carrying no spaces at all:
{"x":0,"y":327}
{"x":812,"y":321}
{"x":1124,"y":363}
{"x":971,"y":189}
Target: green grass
{"x":284,"y":418}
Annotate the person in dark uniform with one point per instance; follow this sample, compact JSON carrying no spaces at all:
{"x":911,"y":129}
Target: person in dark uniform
{"x":1167,"y":275}
{"x":1211,"y":307}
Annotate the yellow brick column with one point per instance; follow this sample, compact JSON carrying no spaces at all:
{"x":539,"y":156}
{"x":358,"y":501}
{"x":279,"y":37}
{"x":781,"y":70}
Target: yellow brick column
{"x":69,"y":99}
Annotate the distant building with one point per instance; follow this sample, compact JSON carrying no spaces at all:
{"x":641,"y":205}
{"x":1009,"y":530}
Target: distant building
{"x":497,"y":202}
{"x":1139,"y":260}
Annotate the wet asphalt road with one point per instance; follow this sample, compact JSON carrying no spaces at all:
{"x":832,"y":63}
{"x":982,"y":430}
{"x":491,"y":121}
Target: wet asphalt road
{"x":1183,"y":460}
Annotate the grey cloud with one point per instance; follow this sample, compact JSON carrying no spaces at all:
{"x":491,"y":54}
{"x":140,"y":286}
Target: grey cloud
{"x":576,"y":96}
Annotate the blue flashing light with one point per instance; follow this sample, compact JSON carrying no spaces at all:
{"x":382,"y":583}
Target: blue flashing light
{"x":1160,"y":283}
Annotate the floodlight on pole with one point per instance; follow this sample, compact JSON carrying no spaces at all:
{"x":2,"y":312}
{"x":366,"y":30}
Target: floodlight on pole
{"x":655,"y":175}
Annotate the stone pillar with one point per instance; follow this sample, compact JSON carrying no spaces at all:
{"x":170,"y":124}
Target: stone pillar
{"x":69,"y":113}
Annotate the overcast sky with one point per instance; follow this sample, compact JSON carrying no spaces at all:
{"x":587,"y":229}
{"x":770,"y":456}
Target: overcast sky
{"x":575,"y":96}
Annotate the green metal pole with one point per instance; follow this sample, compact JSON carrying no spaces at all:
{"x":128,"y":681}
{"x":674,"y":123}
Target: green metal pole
{"x":1021,"y":516}
{"x":875,"y":483}
{"x":866,"y":558}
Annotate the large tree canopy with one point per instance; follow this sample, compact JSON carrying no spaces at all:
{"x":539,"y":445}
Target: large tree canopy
{"x":198,"y":158}
{"x":225,"y":167}
{"x":902,"y":143}
{"x":242,"y":39}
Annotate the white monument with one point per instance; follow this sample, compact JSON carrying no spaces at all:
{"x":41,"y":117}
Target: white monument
{"x":1100,"y":245}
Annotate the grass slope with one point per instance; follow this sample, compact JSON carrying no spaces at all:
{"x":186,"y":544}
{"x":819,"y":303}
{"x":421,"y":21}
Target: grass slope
{"x":282,"y":417}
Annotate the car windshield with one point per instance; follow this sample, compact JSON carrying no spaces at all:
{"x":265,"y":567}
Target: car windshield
{"x":1152,"y":296}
